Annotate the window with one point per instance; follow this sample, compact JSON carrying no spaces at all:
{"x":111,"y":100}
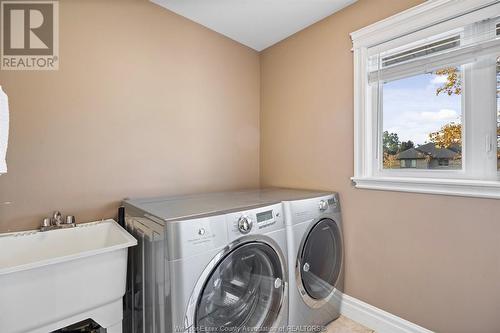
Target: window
{"x":426,"y":119}
{"x":421,"y":120}
{"x":444,"y":162}
{"x":408,"y":163}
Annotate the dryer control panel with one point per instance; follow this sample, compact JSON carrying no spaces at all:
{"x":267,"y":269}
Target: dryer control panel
{"x":255,"y":221}
{"x":309,"y":209}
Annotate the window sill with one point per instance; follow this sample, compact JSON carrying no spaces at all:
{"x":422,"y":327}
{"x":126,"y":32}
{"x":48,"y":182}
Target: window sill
{"x":456,"y":187}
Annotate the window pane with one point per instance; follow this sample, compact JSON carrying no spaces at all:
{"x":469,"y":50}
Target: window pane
{"x":422,"y":121}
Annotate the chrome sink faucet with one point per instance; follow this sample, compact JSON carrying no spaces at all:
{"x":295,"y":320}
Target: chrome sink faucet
{"x":57,"y":222}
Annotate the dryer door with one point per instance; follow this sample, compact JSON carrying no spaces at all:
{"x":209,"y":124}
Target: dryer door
{"x":320,"y":261}
{"x":244,"y":290}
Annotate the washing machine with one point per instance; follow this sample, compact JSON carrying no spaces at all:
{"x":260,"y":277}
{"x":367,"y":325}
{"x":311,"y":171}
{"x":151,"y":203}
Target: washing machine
{"x":316,"y":258}
{"x":207,"y":263}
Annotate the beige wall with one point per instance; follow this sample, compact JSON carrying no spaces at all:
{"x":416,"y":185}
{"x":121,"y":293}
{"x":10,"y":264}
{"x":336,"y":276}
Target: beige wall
{"x":145,"y":103}
{"x":434,"y":260}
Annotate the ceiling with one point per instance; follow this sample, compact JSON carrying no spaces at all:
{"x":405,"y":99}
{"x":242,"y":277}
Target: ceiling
{"x":255,"y":23}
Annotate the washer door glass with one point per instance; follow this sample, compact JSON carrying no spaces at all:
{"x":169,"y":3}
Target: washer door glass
{"x":321,"y":259}
{"x":244,"y":291}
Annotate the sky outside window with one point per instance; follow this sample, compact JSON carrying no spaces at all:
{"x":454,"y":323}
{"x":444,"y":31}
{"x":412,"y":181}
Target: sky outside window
{"x":413,"y":109}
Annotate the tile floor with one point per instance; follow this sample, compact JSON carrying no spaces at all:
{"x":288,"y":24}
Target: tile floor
{"x":346,"y":325}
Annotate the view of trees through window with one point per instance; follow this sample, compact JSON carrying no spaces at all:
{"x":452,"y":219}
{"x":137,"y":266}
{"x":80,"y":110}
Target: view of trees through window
{"x":422,"y":121}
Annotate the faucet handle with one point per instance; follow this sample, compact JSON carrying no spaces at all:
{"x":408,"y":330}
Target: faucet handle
{"x":57,"y":218}
{"x":70,"y":219}
{"x":46,"y":222}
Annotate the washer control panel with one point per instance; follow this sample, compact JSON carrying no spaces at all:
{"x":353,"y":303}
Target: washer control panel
{"x":266,"y":218}
{"x":245,"y":224}
{"x":332,"y":201}
{"x":255,"y":221}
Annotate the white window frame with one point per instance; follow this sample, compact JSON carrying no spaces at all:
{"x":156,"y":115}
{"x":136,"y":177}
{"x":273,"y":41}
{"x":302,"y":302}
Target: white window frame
{"x":477,"y":178}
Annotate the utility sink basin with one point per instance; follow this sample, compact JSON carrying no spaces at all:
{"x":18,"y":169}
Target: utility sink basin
{"x":52,"y":279}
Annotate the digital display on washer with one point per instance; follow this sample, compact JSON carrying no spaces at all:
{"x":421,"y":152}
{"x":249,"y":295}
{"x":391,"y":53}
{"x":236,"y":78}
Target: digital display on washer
{"x":264,"y":216}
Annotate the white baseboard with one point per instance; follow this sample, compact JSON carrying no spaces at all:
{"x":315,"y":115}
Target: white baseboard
{"x":375,"y":318}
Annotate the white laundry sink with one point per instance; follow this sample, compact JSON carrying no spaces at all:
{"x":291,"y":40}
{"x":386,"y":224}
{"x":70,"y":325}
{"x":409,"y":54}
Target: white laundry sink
{"x":49,"y":280}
